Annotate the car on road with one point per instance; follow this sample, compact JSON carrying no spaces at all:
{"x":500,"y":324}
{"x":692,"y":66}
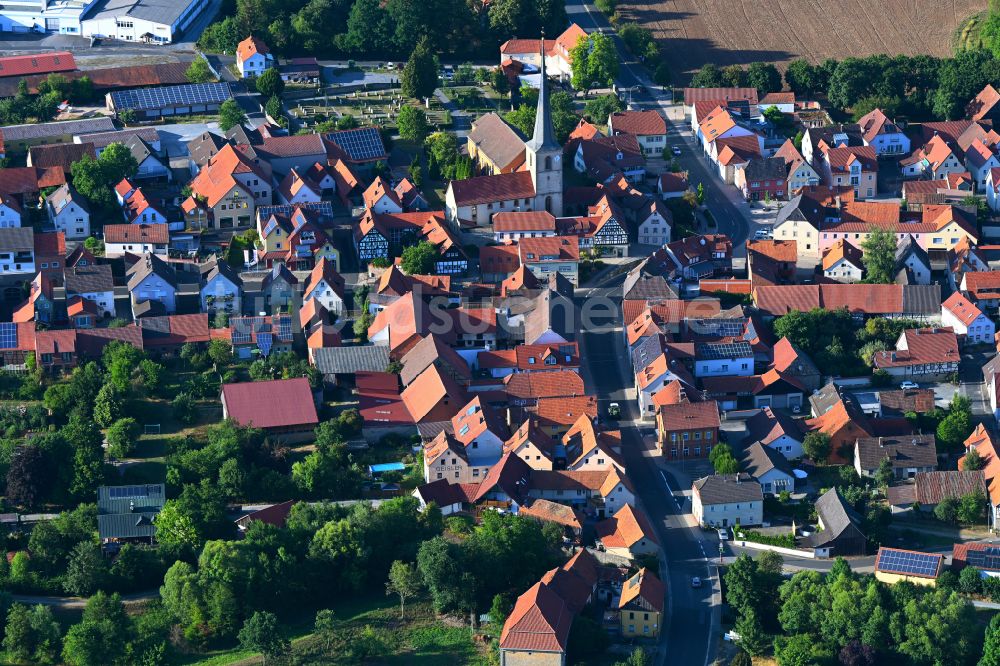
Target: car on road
{"x":907,"y":385}
{"x":761,"y":234}
{"x":390,"y":65}
{"x":676,"y":150}
{"x":695,"y":582}
{"x":723,"y":534}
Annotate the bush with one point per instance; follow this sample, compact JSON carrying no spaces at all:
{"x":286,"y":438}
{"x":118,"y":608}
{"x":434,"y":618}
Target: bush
{"x":783,"y":540}
{"x":606,"y":6}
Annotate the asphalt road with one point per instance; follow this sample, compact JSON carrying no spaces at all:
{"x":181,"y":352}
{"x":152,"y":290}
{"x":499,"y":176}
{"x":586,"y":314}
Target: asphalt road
{"x":693,"y":613}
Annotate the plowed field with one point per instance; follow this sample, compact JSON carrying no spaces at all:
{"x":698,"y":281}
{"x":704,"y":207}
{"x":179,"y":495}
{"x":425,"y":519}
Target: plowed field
{"x":725,"y":32}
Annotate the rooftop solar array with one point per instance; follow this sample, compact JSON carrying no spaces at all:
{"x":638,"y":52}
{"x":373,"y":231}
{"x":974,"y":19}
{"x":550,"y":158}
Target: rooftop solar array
{"x":723,"y":350}
{"x":284,"y":327}
{"x":243,"y":328}
{"x":907,"y":562}
{"x":724,"y":328}
{"x":8,"y":335}
{"x":364,"y":143}
{"x":265,"y":341}
{"x":988,"y":558}
{"x":321,"y":208}
{"x":122,"y":492}
{"x":142,"y":99}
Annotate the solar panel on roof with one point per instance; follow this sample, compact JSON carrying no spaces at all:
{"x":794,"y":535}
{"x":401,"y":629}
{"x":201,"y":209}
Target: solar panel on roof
{"x":726,"y":350}
{"x":905,"y":562}
{"x":285,"y":328}
{"x":360,"y":144}
{"x":8,"y":335}
{"x":988,"y":558}
{"x":242,"y":330}
{"x":265,"y":341}
{"x":168,"y":96}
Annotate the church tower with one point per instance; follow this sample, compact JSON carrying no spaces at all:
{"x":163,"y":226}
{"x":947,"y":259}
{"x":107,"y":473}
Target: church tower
{"x":544,"y":154}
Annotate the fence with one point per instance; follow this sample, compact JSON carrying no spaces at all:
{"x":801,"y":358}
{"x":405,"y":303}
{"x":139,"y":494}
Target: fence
{"x":793,"y":552}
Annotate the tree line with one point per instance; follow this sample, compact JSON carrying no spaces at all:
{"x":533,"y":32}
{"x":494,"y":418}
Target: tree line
{"x":377,"y":28}
{"x":918,"y":87}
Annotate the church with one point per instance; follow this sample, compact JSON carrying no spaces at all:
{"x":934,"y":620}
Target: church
{"x":538,"y":186}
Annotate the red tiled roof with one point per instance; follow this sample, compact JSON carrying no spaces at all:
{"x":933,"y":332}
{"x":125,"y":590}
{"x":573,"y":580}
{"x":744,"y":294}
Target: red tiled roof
{"x":924,"y":345}
{"x":50,"y":244}
{"x":645,"y":585}
{"x":639,"y":123}
{"x":537,"y":220}
{"x":271,"y":404}
{"x":720,"y":95}
{"x":983,"y":103}
{"x":250,"y":47}
{"x":492,"y":189}
{"x":961,"y":308}
{"x":540,"y":622}
{"x":689,"y":416}
{"x":37,"y":63}
{"x":136,"y":233}
{"x":549,"y":248}
{"x":626,"y":528}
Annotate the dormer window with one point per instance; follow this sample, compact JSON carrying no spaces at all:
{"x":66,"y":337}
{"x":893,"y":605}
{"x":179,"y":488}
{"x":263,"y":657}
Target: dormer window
{"x":531,"y":360}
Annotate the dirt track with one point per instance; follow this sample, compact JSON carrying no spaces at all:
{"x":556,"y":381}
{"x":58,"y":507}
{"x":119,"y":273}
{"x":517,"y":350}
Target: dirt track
{"x":725,"y":32}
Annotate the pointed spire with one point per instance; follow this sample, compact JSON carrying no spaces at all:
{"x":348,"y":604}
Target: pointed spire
{"x":544,"y":136}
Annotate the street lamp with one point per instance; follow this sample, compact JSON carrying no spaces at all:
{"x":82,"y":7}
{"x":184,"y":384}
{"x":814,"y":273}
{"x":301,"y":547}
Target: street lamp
{"x":721,"y":550}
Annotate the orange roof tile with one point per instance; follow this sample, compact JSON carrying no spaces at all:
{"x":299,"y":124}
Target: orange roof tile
{"x":625,"y":529}
{"x":962,"y":308}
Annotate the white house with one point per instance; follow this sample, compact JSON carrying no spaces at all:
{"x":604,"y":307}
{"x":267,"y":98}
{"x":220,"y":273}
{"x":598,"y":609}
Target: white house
{"x":253,"y":57}
{"x":139,"y":21}
{"x":883,"y":134}
{"x":94,"y":283}
{"x":718,"y":359}
{"x":727,"y":500}
{"x":655,"y":223}
{"x":221,"y":288}
{"x":968,"y":320}
{"x":17,"y":251}
{"x":770,"y":468}
{"x":325,"y":285}
{"x":10,"y":212}
{"x":777,"y":431}
{"x":297,"y":189}
{"x":651,"y":379}
{"x":993,"y":189}
{"x":68,"y":213}
{"x":842,"y":262}
{"x":150,"y":165}
{"x":136,"y":239}
{"x":980,"y":159}
{"x":153,"y":280}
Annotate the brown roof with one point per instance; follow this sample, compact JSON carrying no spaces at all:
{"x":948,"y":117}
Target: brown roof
{"x":924,"y":345}
{"x":430,"y":350}
{"x":549,"y":248}
{"x":534,"y":385}
{"x":491,"y":189}
{"x":552,"y":512}
{"x":639,"y":123}
{"x":721,"y":95}
{"x":430,"y":389}
{"x":778,"y":250}
{"x":538,"y":220}
{"x":983,"y":103}
{"x":963,"y":310}
{"x":565,"y":411}
{"x":690,"y":415}
{"x":841,"y":249}
{"x":540,"y":622}
{"x":499,"y":141}
{"x":932,"y":487}
{"x":646,"y":586}
{"x":903,"y":452}
{"x":136,"y":233}
{"x":37,"y":63}
{"x":842,"y":157}
{"x":59,"y":154}
{"x":898,"y":402}
{"x":271,"y":404}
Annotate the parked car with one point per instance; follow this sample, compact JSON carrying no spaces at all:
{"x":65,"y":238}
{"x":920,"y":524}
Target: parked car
{"x":907,"y":385}
{"x":695,"y":582}
{"x":761,"y":234}
{"x":723,"y":534}
{"x":614,"y":410}
{"x":676,"y":150}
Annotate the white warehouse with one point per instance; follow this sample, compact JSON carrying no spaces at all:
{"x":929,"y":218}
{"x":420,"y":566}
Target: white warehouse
{"x":147,"y":21}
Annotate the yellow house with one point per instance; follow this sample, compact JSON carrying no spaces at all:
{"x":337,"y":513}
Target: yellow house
{"x":893,"y":565}
{"x":640,"y":609}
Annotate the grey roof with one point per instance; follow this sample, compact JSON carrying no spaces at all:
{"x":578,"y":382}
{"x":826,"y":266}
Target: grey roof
{"x":213,"y":267}
{"x":544,"y":136}
{"x":852,"y":130}
{"x":836,"y":517}
{"x":768,"y":168}
{"x":89,"y":279}
{"x":728,"y":488}
{"x":428,"y":351}
{"x":801,"y":209}
{"x":824,"y":399}
{"x":147,"y":265}
{"x":17,"y":239}
{"x":907,"y":247}
{"x":922,"y":299}
{"x":551,"y":311}
{"x":64,"y":196}
{"x":128,"y":511}
{"x":148,"y":308}
{"x":495,"y":138}
{"x":166,"y":12}
{"x":903,"y":451}
{"x":13,"y":133}
{"x":186,"y":95}
{"x":348,"y":360}
{"x":140,"y":149}
{"x":641,"y":287}
{"x":104,"y":139}
{"x":759,"y":460}
{"x":204,"y":146}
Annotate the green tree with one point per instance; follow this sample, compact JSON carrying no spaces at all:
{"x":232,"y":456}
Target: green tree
{"x":595,"y":62}
{"x":412,"y":123}
{"x":18,"y":638}
{"x":600,"y":108}
{"x":325,"y":627}
{"x":184,"y":408}
{"x":972,"y":461}
{"x":763,"y":76}
{"x":420,"y":75}
{"x":369,"y":27}
{"x":199,"y":71}
{"x":947,"y":510}
{"x":734,"y":76}
{"x":121,"y":437}
{"x":884,"y":475}
{"x":869,"y":350}
{"x":231,"y":115}
{"x":726,"y":464}
{"x":953,"y":430}
{"x":991,"y":644}
{"x":261,"y":633}
{"x":970,"y":580}
{"x":816,"y":445}
{"x":801,"y":650}
{"x":972,"y":508}
{"x":404,"y":581}
{"x":45,"y":635}
{"x":108,"y":406}
{"x":273,"y":107}
{"x":753,"y":639}
{"x":801,"y":77}
{"x":742,"y":589}
{"x":270,"y":84}
{"x":86,"y":570}
{"x":419,"y":259}
{"x":879,"y":255}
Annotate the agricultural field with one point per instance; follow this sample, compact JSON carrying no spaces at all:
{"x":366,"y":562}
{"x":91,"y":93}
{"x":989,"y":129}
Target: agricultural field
{"x":695,"y":32}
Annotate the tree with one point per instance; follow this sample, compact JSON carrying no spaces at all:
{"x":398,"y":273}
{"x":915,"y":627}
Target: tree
{"x":991,"y":644}
{"x":598,"y":62}
{"x":801,"y":650}
{"x":221,"y":352}
{"x":270,"y":83}
{"x":816,"y":445}
{"x":273,"y":107}
{"x":185,"y":409}
{"x":404,"y":580}
{"x":752,"y":637}
{"x":85,"y":571}
{"x":953,"y":430}
{"x":412,"y":123}
{"x":419,"y":259}
{"x":970,"y":580}
{"x":121,"y":437}
{"x":108,"y":406}
{"x":199,"y":71}
{"x":869,"y":350}
{"x":18,"y":638}
{"x":325,"y":627}
{"x":369,"y":27}
{"x":801,"y":77}
{"x":28,"y":477}
{"x":741,"y":659}
{"x":742,"y":591}
{"x":420,"y":75}
{"x":879,"y":255}
{"x":261,"y":633}
{"x":884,"y":475}
{"x":231,"y":115}
{"x":947,"y":510}
{"x":600,"y":108}
{"x":763,"y":76}
{"x":726,"y":464}
{"x":972,"y":508}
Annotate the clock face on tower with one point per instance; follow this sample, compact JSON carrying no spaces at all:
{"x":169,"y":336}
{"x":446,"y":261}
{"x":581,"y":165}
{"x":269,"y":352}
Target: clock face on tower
{"x":558,"y":157}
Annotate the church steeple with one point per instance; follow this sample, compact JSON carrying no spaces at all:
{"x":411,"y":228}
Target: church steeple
{"x":544,"y":136}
